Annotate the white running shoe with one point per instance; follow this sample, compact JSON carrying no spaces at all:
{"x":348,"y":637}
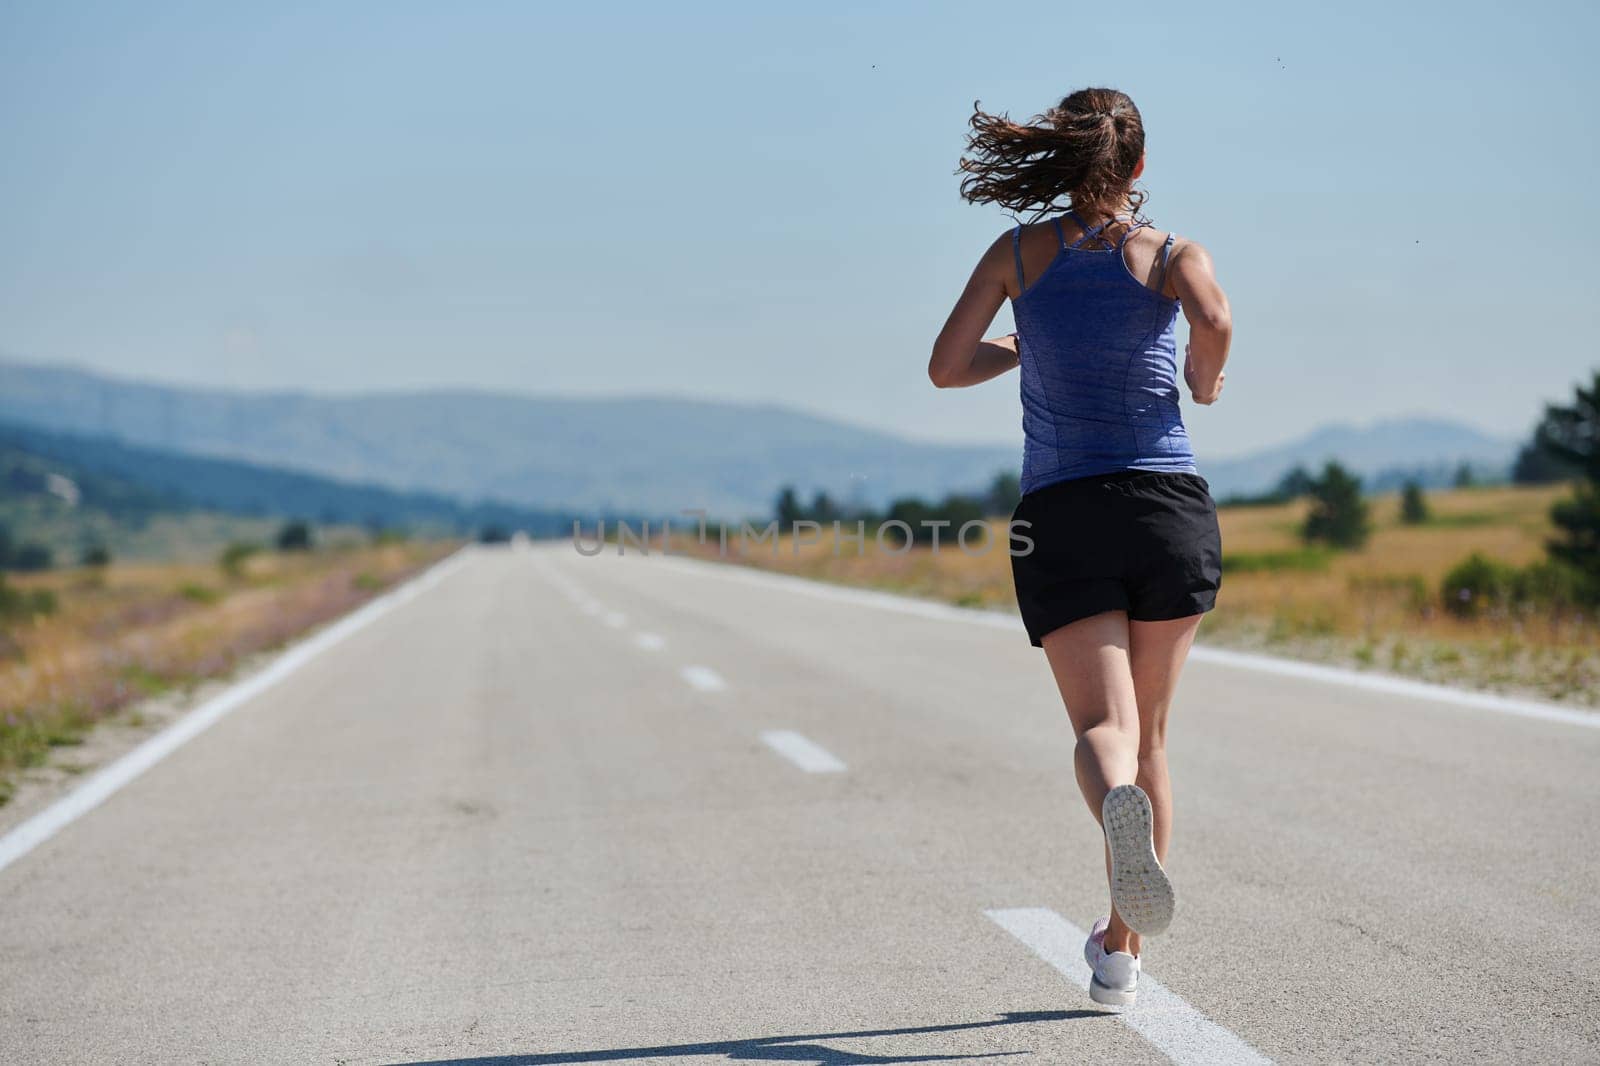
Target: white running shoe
{"x":1140,"y":891}
{"x":1116,"y":973}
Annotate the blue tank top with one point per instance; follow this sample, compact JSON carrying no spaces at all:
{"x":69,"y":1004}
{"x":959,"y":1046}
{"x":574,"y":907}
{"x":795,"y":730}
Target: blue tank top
{"x":1098,"y":353}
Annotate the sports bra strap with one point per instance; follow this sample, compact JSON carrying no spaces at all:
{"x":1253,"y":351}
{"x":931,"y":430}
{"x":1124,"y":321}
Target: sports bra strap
{"x":1082,"y":225}
{"x":1166,"y":254}
{"x":1016,"y":251}
{"x":1135,"y":228}
{"x":1061,"y":237}
{"x":1091,"y":232}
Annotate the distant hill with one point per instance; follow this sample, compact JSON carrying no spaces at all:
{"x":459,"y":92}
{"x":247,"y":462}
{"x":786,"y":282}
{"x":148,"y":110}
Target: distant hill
{"x":594,"y":455}
{"x":129,"y":484}
{"x":651,"y":456}
{"x":1384,"y":453}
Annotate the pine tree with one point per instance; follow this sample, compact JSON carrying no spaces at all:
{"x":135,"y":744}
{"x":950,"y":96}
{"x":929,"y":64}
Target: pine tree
{"x":1413,"y":506}
{"x":1572,"y":435}
{"x":1338,"y":512}
{"x":789,"y":508}
{"x":295,"y":536}
{"x":823,"y":509}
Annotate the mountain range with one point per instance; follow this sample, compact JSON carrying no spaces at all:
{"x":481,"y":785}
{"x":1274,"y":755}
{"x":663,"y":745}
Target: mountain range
{"x":1385,"y":453}
{"x":130,"y":483}
{"x":635,"y":455}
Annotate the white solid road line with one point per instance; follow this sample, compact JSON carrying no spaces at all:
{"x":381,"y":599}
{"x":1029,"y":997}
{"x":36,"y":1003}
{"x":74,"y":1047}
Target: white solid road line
{"x":703,"y":678}
{"x":1180,"y":1032}
{"x":99,"y":787}
{"x":1399,"y":686}
{"x":649,"y":641}
{"x":1242,"y":660}
{"x":805,"y":753}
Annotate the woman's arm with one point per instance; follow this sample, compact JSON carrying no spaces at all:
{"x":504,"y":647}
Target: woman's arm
{"x":961,"y":356}
{"x":1205,"y":306}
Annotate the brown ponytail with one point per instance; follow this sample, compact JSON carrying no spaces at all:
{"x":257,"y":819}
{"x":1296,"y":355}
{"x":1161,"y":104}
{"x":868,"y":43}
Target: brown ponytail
{"x":1082,"y":151}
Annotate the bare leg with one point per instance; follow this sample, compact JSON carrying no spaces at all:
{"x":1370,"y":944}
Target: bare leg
{"x":1091,"y":662}
{"x":1157,"y":653}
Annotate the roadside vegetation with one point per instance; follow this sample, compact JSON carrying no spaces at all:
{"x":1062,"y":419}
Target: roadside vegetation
{"x":1491,"y":585}
{"x":81,"y":644}
{"x":1395,"y":604}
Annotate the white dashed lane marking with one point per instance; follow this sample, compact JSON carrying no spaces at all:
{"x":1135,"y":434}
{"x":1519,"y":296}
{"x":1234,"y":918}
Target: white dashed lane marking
{"x":703,"y":678}
{"x":1421,"y":691}
{"x":805,"y":753}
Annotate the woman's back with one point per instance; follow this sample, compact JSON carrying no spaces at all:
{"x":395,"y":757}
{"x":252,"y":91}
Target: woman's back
{"x":1095,"y":295}
{"x":1096,"y":319}
{"x":1122,"y":551}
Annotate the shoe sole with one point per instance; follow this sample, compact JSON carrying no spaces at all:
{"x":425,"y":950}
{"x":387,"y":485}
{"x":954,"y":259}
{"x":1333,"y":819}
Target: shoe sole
{"x":1139,"y":887}
{"x":1108,"y":996}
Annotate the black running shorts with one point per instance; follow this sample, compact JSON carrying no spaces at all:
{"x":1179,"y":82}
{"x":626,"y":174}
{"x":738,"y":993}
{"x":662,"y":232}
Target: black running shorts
{"x":1143,"y":542}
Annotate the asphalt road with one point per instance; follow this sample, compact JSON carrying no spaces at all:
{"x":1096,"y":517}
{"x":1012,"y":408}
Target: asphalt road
{"x":557,"y":810}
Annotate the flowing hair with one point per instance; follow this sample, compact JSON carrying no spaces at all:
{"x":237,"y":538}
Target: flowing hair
{"x":1080,"y":153}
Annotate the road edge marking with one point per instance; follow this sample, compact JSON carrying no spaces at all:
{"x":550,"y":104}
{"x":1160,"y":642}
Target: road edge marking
{"x":106,"y":782}
{"x":1160,"y":1015}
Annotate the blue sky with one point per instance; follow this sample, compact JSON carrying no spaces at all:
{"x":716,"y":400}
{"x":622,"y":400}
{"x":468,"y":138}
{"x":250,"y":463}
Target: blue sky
{"x":756,"y":202}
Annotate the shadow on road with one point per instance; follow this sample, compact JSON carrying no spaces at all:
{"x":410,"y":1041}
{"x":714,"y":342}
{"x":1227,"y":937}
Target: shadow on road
{"x":781,"y":1048}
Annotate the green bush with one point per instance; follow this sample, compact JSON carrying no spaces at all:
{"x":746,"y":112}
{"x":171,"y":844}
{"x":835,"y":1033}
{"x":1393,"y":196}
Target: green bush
{"x":24,"y":605}
{"x":235,"y":555}
{"x":195,"y":592}
{"x":1550,"y":583}
{"x":1478,"y":582}
{"x":1474,"y":583}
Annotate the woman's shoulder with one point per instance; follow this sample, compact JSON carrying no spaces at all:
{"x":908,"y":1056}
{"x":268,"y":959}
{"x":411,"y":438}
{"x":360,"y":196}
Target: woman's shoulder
{"x":1041,"y":238}
{"x":1024,"y":232}
{"x":1188,"y":251}
{"x":1180,"y":241}
{"x":1152,"y":237}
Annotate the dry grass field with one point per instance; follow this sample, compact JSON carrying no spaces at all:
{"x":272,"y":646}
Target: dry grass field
{"x":130,"y":630}
{"x":1377,"y":608}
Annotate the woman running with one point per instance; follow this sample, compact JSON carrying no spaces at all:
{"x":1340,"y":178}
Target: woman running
{"x":1125,"y":553}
